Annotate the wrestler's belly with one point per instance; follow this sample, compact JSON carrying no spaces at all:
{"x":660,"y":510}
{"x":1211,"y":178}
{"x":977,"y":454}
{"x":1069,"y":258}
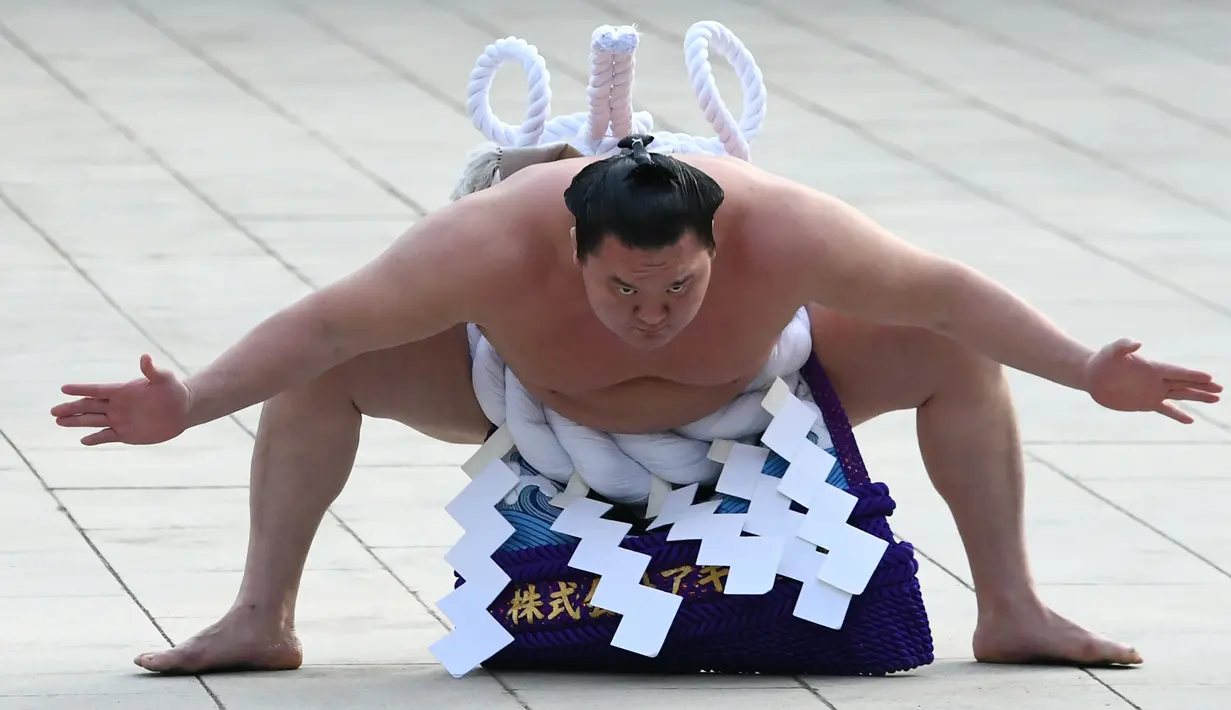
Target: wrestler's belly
{"x":640,"y":406}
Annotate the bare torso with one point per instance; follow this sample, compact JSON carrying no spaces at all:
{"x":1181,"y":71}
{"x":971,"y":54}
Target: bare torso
{"x":551,"y":339}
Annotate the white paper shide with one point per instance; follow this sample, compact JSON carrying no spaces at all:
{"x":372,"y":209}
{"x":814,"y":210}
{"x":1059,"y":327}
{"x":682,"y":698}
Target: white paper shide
{"x":818,"y":548}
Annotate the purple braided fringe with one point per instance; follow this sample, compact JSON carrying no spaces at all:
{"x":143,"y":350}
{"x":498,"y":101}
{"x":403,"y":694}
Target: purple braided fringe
{"x":886,"y":628}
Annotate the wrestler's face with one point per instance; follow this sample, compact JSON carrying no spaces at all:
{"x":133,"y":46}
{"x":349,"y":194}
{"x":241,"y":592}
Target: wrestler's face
{"x":647,"y":297}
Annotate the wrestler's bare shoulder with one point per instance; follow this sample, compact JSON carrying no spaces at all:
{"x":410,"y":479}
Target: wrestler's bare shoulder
{"x":475,"y":255}
{"x":515,"y":235}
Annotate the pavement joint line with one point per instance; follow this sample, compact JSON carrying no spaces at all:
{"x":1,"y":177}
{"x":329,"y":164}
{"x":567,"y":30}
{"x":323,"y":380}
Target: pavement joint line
{"x":1134,"y":30}
{"x":233,"y":77}
{"x":128,"y":592}
{"x":1125,"y":512}
{"x":1003,"y":40}
{"x":150,"y":152}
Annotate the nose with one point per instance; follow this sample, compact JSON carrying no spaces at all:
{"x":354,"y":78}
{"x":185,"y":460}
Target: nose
{"x":652,"y":315}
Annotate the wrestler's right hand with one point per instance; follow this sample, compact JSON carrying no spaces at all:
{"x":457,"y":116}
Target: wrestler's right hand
{"x":148,"y":410}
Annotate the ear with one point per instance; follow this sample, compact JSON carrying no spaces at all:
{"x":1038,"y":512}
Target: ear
{"x":573,"y":235}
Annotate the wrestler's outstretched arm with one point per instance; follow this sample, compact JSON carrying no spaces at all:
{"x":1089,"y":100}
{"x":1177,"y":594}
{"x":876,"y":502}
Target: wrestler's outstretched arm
{"x":425,"y":283}
{"x":857,"y":267}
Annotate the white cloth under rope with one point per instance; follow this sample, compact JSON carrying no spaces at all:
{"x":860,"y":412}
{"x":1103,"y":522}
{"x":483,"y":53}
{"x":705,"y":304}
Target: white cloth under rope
{"x":621,"y":466}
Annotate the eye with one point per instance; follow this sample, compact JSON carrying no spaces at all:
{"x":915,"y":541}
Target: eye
{"x":677,"y":288}
{"x":626,"y":290}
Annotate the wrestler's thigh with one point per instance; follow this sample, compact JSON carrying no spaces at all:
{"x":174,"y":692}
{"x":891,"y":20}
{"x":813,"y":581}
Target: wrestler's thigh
{"x":425,"y":385}
{"x":877,"y":369}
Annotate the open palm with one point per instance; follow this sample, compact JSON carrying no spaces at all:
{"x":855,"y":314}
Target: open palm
{"x":148,"y":410}
{"x":1119,"y":379}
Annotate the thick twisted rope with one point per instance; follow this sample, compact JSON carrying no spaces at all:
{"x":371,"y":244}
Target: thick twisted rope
{"x":608,"y":45}
{"x":621,"y":466}
{"x":610,"y":116}
{"x":479,"y":89}
{"x":599,"y":93}
{"x":733,"y":136}
{"x":621,"y":97}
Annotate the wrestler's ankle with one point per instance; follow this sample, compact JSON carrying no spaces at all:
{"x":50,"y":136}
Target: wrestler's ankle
{"x":1017,"y":602}
{"x":266,"y":616}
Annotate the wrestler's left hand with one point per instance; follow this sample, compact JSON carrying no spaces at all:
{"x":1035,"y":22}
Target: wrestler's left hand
{"x":148,"y":410}
{"x":1119,"y":379}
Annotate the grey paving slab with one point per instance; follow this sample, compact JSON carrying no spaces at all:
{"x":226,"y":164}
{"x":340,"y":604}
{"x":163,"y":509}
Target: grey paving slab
{"x":963,"y":686}
{"x":1075,"y":41}
{"x":182,"y":696}
{"x":216,"y":549}
{"x":684,"y":698}
{"x":152,"y":151}
{"x":366,"y":687}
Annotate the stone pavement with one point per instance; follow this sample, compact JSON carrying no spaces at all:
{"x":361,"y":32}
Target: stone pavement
{"x":171,"y":172}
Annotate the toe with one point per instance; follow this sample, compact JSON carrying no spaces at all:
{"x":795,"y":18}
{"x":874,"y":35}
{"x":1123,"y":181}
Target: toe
{"x":175,"y":660}
{"x":1121,"y":655}
{"x":154,"y":662}
{"x":149,"y":661}
{"x":1096,"y":650}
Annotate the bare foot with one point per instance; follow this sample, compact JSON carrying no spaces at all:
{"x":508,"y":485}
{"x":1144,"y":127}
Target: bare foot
{"x":1042,"y":636}
{"x":237,"y":642}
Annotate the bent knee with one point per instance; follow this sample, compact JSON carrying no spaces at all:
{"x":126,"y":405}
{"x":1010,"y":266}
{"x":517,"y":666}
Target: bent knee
{"x":955,"y":364}
{"x":324,"y":398}
{"x":425,"y":385}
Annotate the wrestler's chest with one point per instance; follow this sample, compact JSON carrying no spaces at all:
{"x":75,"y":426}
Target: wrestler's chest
{"x":586,"y":357}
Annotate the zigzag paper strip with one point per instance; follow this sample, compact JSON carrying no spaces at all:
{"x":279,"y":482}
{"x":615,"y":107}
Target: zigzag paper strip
{"x":476,"y":635}
{"x":752,"y":560}
{"x":852,"y":555}
{"x":647,"y":612}
{"x":678,"y":504}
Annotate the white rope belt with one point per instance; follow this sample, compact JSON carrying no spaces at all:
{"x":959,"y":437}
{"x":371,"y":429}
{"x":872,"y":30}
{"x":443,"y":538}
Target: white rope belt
{"x":621,"y":467}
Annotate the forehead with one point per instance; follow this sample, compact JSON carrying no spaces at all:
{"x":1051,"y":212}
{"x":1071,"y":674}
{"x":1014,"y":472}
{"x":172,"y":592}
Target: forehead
{"x":673,"y":262}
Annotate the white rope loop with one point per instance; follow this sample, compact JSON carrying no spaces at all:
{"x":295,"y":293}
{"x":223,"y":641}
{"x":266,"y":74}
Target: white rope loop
{"x":622,"y":96}
{"x":734,"y":137}
{"x":602,"y":67}
{"x":610,"y":116}
{"x":479,"y":89}
{"x":610,"y":89}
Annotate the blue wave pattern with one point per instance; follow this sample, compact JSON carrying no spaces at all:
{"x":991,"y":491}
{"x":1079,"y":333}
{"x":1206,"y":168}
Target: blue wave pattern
{"x":532,"y":513}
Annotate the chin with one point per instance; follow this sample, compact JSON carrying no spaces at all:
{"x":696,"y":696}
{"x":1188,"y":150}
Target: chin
{"x":649,"y":341}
